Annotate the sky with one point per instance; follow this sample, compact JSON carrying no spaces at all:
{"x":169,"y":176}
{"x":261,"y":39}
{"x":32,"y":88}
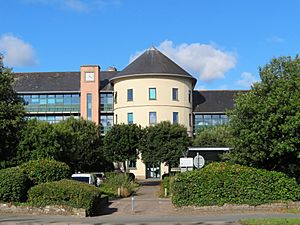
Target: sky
{"x":222,"y":43}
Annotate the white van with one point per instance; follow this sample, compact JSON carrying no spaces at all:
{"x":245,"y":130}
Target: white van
{"x":85,"y":177}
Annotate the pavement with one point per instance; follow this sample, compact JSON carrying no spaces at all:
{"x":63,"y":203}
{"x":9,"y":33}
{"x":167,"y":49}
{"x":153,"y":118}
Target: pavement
{"x":146,"y":207}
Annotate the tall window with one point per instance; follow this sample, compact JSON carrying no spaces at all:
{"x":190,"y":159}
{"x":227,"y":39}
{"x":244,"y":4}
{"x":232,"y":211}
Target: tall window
{"x":116,"y":118}
{"x":190,"y":96}
{"x":106,"y":101}
{"x":175,"y":94}
{"x":152,"y":93}
{"x":106,"y":123}
{"x":130,"y":118}
{"x":89,"y":106}
{"x":152,"y":117}
{"x":175,"y":117}
{"x":190,"y":119}
{"x":129,"y":94}
{"x":116,"y":97}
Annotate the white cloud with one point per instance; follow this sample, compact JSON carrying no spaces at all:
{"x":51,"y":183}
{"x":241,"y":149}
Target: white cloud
{"x":209,"y":62}
{"x":247,"y":80}
{"x":17,"y":52}
{"x":81,"y":6}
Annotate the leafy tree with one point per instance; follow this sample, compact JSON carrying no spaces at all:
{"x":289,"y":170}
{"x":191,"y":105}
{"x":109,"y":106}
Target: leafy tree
{"x":12,"y":115}
{"x":266,"y":120}
{"x":214,"y":136}
{"x":164,"y":142}
{"x":121,"y":143}
{"x":39,"y":140}
{"x":80,"y":145}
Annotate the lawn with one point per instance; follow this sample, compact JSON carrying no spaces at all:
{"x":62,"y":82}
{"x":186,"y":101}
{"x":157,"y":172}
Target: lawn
{"x":271,"y":221}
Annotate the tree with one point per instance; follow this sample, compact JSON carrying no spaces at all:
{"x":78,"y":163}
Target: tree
{"x":164,"y":142}
{"x":214,"y":136}
{"x":265,"y":122}
{"x":12,"y":115}
{"x":121,"y":143}
{"x":38,"y":140}
{"x":80,"y":145}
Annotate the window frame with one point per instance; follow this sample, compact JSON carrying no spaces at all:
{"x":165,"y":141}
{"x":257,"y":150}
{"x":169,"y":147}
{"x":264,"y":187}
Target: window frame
{"x":150,"y":120}
{"x":175,"y":95}
{"x":150,"y":92}
{"x":130,"y":95}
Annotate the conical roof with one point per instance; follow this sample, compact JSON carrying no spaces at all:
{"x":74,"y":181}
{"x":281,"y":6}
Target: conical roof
{"x":153,"y":62}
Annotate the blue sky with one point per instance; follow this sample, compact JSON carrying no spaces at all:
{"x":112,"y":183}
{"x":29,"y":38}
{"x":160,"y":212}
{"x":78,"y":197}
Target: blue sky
{"x":220,"y":42}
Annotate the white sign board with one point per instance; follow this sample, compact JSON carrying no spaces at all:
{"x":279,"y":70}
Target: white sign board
{"x":199,"y":161}
{"x":186,"y":162}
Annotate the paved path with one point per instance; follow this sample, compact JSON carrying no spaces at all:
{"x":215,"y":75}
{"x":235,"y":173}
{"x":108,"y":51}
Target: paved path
{"x":147,"y":208}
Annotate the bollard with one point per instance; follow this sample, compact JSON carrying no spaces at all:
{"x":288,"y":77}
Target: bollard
{"x":132,"y":204}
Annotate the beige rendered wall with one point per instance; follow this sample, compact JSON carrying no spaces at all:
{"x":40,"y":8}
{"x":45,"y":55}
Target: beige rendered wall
{"x":90,"y":87}
{"x":164,"y":106}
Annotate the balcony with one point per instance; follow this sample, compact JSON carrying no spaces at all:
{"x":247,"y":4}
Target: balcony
{"x":72,"y":108}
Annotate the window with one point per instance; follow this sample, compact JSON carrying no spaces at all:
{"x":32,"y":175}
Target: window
{"x":106,"y":101}
{"x":89,"y":106}
{"x":116,"y":118}
{"x":106,"y":123}
{"x":132,"y":164}
{"x":175,"y":94}
{"x":152,"y":117}
{"x":190,"y":96}
{"x":175,"y":117}
{"x":190,"y":119}
{"x":51,"y":99}
{"x":152,"y":93}
{"x":202,"y":120}
{"x":129,"y":94}
{"x":130,"y":118}
{"x":116,"y":97}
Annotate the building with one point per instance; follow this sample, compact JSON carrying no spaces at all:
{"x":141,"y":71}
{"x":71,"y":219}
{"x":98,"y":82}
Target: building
{"x":149,"y":90}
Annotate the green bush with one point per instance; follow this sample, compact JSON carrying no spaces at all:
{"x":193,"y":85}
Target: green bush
{"x":117,"y":180}
{"x":45,"y":170}
{"x":14,"y":185}
{"x":66,"y":192}
{"x":220,"y":183}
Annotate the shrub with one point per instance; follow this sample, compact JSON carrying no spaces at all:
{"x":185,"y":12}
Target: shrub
{"x":45,"y":170}
{"x":114,"y":181}
{"x":14,"y":185}
{"x":66,"y":192}
{"x":220,"y":183}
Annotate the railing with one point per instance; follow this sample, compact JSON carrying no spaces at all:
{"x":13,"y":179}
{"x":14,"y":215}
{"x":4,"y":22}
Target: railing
{"x":52,"y":108}
{"x":106,"y":107}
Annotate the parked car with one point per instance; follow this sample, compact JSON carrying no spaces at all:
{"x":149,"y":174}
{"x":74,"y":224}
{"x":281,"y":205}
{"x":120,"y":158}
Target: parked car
{"x":85,"y":177}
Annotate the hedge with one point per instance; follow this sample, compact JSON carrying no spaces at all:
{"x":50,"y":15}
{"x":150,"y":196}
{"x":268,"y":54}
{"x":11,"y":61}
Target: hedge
{"x":66,"y":192}
{"x":14,"y":185}
{"x":220,"y":183}
{"x":45,"y":170}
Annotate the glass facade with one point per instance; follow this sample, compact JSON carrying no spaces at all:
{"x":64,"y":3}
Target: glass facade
{"x":106,"y":123}
{"x":152,"y":93}
{"x":52,"y":102}
{"x":106,"y":102}
{"x":202,"y":120}
{"x":51,"y":118}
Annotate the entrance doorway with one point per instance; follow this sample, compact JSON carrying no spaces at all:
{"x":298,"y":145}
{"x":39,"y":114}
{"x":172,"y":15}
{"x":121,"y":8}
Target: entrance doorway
{"x":152,"y":171}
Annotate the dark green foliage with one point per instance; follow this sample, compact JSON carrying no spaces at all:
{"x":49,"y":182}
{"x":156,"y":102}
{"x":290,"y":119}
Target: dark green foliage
{"x":215,"y":136}
{"x":11,"y":117}
{"x":66,"y":192}
{"x":265,"y":122}
{"x":46,"y":170}
{"x":164,"y":142}
{"x":220,"y":183}
{"x":14,"y":185}
{"x":121,"y":142}
{"x":39,"y":140}
{"x":80,"y":145}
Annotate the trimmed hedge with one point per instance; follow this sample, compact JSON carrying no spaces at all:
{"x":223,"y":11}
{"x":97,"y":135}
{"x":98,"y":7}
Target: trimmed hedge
{"x":14,"y":185}
{"x":45,"y":170}
{"x":66,"y":192}
{"x":220,"y":183}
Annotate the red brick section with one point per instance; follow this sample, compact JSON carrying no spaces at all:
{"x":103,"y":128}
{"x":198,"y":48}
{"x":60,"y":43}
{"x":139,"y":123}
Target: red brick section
{"x":90,"y":87}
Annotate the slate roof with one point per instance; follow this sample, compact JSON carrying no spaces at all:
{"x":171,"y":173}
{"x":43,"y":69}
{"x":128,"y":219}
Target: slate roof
{"x":56,"y":81}
{"x":214,"y":101}
{"x":152,"y":61}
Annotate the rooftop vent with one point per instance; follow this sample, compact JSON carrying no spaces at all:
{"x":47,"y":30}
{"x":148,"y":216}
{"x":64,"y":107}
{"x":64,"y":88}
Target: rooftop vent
{"x":112,"y":68}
